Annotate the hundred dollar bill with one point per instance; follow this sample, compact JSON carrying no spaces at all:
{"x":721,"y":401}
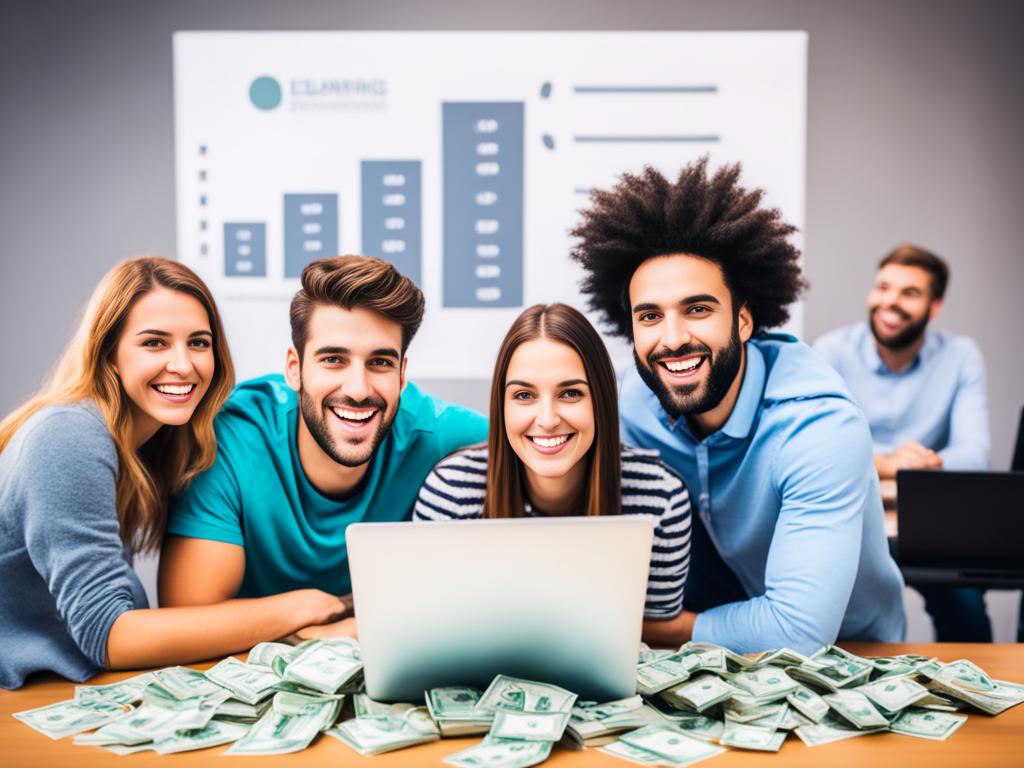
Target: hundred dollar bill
{"x":894,"y":693}
{"x":454,"y":710}
{"x":160,"y":715}
{"x":671,"y":744}
{"x":238,"y":711}
{"x":856,"y":708}
{"x":249,"y":683}
{"x":924,"y":724}
{"x":648,"y":654}
{"x":291,"y":723}
{"x":517,"y":695}
{"x":66,"y":718}
{"x":738,"y":710}
{"x":809,"y":704}
{"x":325,"y":665}
{"x":591,"y":720}
{"x":501,"y":753}
{"x":364,"y":706}
{"x":734,"y":662}
{"x":214,"y":734}
{"x":664,"y":673}
{"x":765,"y":684}
{"x":123,"y":692}
{"x":529,"y":726}
{"x":772,"y":720}
{"x":783,"y":657}
{"x":263,"y":654}
{"x":184,"y":683}
{"x":831,"y":728}
{"x":375,"y":734}
{"x":698,"y":726}
{"x":632,"y":754}
{"x":699,"y":694}
{"x":743,"y":736}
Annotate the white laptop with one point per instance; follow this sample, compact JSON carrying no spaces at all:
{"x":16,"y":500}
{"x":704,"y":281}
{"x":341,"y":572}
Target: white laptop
{"x":558,"y":600}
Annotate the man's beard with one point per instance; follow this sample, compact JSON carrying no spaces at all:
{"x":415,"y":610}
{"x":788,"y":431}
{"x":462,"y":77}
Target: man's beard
{"x":316,"y":423}
{"x":904,"y":338}
{"x":683,"y":399}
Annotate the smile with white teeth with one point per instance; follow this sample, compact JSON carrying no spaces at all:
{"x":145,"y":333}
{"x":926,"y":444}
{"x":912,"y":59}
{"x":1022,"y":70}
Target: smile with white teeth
{"x":174,"y":389}
{"x":677,"y":366}
{"x":345,"y":413}
{"x":550,"y":442}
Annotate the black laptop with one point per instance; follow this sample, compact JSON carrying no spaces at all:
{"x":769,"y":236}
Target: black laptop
{"x":961,"y":528}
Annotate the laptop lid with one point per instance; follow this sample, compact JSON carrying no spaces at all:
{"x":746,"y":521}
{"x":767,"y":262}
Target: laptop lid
{"x":1017,"y":464}
{"x":558,"y":600}
{"x":961,"y":520}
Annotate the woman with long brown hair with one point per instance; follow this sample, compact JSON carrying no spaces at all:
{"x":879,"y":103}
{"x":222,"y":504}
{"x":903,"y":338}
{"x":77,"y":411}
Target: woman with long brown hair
{"x":87,"y":467}
{"x":553,"y":449}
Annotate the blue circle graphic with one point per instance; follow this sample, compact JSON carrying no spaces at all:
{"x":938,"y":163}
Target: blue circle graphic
{"x":265,"y":92}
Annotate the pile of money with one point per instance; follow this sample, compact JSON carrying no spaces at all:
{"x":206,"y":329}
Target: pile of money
{"x":692,"y":703}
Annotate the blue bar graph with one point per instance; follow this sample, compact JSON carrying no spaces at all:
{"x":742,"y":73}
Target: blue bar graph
{"x":483,"y":204}
{"x":392,"y":214}
{"x":310,"y":230}
{"x":245,"y":249}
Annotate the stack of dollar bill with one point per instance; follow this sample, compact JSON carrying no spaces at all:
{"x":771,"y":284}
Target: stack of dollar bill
{"x":692,"y":704}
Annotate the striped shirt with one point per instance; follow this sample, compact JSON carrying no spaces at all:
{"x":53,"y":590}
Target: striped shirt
{"x":455,"y":489}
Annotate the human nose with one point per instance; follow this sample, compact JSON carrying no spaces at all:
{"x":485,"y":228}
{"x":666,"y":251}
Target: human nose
{"x":675,"y":333}
{"x":548,"y":417}
{"x":180,"y":362}
{"x":357,"y":385}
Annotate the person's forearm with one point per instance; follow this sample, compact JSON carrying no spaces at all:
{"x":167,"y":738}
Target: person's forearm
{"x":159,"y":636}
{"x":662,"y":633}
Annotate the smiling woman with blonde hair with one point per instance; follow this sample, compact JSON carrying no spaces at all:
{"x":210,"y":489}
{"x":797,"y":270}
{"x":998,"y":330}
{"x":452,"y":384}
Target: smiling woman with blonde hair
{"x":87,"y":467}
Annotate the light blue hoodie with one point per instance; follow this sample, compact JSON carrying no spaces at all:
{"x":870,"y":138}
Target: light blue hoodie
{"x":788,"y":492}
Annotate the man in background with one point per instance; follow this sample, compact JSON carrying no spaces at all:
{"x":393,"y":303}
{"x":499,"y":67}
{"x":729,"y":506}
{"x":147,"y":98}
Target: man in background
{"x":923,"y":392}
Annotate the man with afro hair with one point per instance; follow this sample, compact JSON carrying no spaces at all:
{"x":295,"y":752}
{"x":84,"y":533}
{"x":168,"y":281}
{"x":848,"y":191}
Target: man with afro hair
{"x":788,"y":543}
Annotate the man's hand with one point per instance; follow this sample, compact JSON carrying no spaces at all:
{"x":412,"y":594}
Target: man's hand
{"x":344,"y":628}
{"x":666,"y":633}
{"x":909,"y":455}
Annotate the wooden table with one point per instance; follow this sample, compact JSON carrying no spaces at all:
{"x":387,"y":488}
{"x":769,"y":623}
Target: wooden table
{"x":987,"y":742}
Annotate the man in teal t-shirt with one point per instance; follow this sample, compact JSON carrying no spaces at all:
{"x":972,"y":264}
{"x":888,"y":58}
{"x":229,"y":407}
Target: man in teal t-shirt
{"x":341,"y":438}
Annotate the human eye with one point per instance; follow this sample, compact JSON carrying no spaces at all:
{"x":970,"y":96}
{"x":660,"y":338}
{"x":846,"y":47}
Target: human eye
{"x":153,"y":343}
{"x":698,"y":309}
{"x":381,"y":362}
{"x":647,"y":317}
{"x":522,"y":395}
{"x":200,"y":343}
{"x":573,"y":394}
{"x":331,"y":360}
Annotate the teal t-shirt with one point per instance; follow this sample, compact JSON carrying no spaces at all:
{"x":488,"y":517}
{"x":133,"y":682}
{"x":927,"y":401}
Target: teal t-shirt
{"x":256,"y":494}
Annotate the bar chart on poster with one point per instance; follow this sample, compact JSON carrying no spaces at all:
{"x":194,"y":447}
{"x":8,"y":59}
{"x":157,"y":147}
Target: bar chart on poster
{"x":462,"y":157}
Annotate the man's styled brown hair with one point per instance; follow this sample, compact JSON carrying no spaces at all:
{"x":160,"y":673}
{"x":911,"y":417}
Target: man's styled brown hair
{"x":700,"y":214}
{"x":915,"y":256}
{"x":505,"y":476}
{"x":356,"y":281}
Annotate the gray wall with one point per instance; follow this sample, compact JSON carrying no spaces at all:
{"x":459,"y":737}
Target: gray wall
{"x":914,"y":109}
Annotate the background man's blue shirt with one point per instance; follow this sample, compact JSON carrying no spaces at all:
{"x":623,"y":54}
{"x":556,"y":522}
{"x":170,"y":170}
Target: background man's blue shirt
{"x":256,"y":494}
{"x":939,"y":400}
{"x":789,"y":495}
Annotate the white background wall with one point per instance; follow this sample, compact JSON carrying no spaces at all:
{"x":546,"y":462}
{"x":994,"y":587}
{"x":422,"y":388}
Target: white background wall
{"x":915,"y":118}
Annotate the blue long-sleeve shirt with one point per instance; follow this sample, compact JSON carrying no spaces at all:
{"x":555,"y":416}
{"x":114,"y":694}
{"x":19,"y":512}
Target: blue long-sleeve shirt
{"x":64,"y":576}
{"x":789,"y":496}
{"x":939,"y":400}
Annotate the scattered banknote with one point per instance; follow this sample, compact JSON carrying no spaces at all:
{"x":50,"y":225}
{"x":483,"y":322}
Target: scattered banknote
{"x":324,"y":666}
{"x":290,"y":725}
{"x":501,"y":753}
{"x":455,"y":712}
{"x":670,"y":744}
{"x":744,"y":736}
{"x":66,"y":718}
{"x":926,"y":724}
{"x":529,"y":726}
{"x":376,"y":734}
{"x":517,"y":695}
{"x":808,"y":703}
{"x":892,"y":694}
{"x":592,"y":723}
{"x":857,"y":708}
{"x":250,"y":683}
{"x":700,"y":693}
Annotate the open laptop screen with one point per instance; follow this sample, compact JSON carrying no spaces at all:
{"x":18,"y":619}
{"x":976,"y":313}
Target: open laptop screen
{"x":964,"y":520}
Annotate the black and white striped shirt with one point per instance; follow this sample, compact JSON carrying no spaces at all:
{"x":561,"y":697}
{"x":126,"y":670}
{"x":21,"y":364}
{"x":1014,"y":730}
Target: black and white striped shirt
{"x":455,"y":489}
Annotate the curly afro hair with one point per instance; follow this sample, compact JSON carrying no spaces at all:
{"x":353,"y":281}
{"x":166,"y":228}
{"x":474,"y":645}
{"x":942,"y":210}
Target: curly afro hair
{"x":646,"y":216}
